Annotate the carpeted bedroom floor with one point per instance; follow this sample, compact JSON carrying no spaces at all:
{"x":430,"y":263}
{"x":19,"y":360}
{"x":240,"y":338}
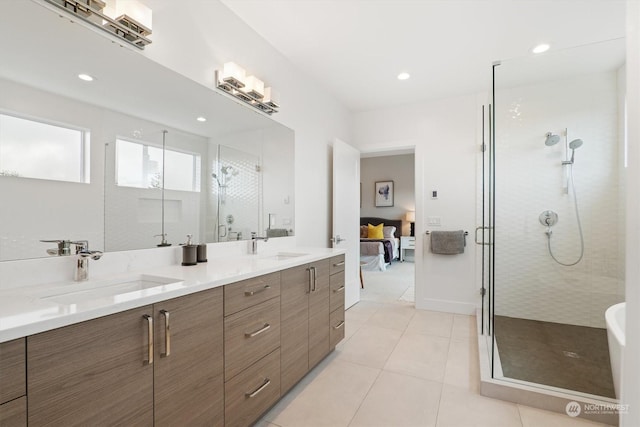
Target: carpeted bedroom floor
{"x":395,"y":284}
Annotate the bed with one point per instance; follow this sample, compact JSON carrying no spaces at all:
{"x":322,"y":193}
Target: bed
{"x":377,"y":254}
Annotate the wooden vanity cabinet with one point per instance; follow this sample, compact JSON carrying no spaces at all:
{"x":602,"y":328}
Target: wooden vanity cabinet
{"x":13,"y":403}
{"x":188,"y":367}
{"x":305,"y":320}
{"x":92,"y":373}
{"x":251,"y":348}
{"x":106,"y":371}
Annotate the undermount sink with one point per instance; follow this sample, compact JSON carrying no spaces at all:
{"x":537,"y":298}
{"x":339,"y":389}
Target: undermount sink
{"x":116,"y":290}
{"x":283,"y":256}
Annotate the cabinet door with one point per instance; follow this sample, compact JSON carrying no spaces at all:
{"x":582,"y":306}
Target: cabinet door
{"x":12,"y":370}
{"x":188,"y":368}
{"x":14,"y":413}
{"x":92,"y":373}
{"x":294,"y":325}
{"x":319,"y":314}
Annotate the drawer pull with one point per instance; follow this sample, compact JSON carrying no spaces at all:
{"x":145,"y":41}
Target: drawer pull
{"x":340,"y":289}
{"x":339,"y":325}
{"x":254,"y":393}
{"x":149,"y":319}
{"x":167,"y":334}
{"x":338,"y":264}
{"x":252,"y":293}
{"x":258,"y":332}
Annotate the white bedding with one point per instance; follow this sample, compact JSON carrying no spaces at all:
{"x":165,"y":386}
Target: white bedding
{"x":372,"y":256}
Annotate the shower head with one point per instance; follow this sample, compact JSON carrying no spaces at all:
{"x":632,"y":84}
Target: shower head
{"x":551,"y":139}
{"x":576,"y":143}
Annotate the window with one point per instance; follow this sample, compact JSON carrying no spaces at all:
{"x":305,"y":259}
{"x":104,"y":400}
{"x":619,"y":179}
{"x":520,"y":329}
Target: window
{"x":140,"y":165}
{"x":34,"y":149}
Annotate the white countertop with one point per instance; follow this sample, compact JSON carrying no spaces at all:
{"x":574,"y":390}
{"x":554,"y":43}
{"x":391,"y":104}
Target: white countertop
{"x":29,"y":310}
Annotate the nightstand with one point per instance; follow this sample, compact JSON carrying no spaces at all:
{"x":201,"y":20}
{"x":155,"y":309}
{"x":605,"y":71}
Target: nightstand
{"x":406,"y":242}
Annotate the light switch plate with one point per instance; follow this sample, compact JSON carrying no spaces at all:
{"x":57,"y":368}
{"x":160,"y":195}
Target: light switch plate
{"x":433,"y":220}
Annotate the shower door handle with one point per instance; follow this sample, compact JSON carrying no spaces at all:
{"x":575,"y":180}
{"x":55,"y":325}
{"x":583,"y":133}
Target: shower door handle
{"x":476,"y":236}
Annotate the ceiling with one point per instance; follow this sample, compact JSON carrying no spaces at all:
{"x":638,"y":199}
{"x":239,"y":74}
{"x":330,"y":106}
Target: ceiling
{"x":356,"y":48}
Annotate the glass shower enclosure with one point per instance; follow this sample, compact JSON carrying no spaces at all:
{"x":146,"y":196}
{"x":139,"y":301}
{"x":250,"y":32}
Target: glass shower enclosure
{"x":551,"y":209}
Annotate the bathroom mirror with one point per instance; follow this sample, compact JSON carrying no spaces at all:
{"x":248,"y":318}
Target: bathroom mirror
{"x":118,"y":202}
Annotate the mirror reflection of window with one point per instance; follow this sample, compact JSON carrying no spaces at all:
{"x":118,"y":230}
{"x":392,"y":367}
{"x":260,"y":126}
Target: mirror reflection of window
{"x":140,"y":165}
{"x":35,"y":149}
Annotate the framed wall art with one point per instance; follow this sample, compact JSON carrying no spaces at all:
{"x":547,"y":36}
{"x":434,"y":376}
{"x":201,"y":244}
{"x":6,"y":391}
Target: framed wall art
{"x":384,"y":194}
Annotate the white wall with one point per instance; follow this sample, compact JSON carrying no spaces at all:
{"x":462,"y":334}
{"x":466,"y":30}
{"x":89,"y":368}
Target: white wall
{"x":194,"y":38}
{"x":444,"y":135}
{"x":531,"y":179}
{"x":401,"y":170}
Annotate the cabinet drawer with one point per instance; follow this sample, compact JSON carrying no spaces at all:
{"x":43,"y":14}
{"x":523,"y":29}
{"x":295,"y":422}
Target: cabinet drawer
{"x":14,"y":413}
{"x":250,"y":335}
{"x":250,"y":292}
{"x":336,"y":295}
{"x":12,"y":370}
{"x":336,"y":333}
{"x":337,"y":264}
{"x":252,"y":392}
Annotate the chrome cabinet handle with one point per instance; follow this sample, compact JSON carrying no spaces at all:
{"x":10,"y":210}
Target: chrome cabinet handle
{"x":313,"y":269}
{"x":149,"y":319}
{"x":167,"y":334}
{"x":254,"y":393}
{"x":252,"y":293}
{"x":340,"y":289}
{"x":310,"y":279}
{"x":339,"y":325}
{"x":338,"y":264}
{"x":258,"y":332}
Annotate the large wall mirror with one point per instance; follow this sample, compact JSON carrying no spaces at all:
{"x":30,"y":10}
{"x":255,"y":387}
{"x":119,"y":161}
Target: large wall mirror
{"x":123,"y":159}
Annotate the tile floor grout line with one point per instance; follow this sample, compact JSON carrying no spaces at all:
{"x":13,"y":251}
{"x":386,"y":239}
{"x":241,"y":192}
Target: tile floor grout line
{"x":365,"y":397}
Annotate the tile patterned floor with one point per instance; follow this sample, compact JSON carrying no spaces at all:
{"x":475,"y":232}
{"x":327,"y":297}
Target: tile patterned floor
{"x":401,"y":367}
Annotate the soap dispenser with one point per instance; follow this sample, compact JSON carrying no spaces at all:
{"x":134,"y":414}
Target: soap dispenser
{"x":189,"y":252}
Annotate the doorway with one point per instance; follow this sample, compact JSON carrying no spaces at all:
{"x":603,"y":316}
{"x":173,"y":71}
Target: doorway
{"x":387,"y":197}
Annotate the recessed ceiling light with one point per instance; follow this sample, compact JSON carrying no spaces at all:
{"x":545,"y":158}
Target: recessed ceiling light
{"x":403,"y":76}
{"x":85,"y":77}
{"x":541,"y":48}
{"x":201,"y":119}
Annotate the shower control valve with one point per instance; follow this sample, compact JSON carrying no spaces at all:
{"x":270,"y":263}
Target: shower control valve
{"x":548,"y":219}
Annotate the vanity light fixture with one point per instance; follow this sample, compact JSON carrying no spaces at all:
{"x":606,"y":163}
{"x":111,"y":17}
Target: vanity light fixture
{"x":250,"y":89}
{"x":128,"y":20}
{"x":403,"y":76}
{"x":85,"y":77}
{"x":201,"y":119}
{"x":543,"y":47}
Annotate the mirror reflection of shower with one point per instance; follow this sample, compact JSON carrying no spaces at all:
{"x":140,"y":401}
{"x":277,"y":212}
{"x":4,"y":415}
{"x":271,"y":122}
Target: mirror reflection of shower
{"x":550,"y":218}
{"x":223,"y":178}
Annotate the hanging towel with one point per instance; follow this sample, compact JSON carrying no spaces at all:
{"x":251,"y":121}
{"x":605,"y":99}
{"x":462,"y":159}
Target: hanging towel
{"x":447,"y":242}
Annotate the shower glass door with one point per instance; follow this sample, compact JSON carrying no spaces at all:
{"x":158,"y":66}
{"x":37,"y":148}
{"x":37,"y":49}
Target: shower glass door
{"x":554,"y":200}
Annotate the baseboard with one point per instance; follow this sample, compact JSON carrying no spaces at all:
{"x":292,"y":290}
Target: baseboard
{"x":446,"y":306}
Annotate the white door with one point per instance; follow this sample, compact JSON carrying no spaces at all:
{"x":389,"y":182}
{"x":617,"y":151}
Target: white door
{"x":346,"y":214}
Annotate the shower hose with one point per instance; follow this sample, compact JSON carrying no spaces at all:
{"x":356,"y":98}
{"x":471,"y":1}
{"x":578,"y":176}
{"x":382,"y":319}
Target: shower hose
{"x":575,"y":204}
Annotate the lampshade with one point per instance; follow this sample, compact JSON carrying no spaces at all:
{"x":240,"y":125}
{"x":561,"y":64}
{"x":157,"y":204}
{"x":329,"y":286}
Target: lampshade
{"x":133,"y":9}
{"x":411,"y":216}
{"x":254,"y":87}
{"x":233,"y":74}
{"x":271,"y":97}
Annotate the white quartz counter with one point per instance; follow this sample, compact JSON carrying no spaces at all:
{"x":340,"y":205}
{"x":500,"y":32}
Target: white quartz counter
{"x":31,"y":309}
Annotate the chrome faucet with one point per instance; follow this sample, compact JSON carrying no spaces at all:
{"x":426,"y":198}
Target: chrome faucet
{"x":83,"y":254}
{"x":254,"y":242}
{"x":64,"y":247}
